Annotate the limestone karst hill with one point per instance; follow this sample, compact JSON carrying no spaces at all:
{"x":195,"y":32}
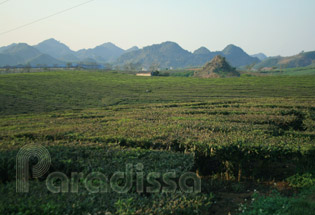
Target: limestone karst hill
{"x":217,"y":68}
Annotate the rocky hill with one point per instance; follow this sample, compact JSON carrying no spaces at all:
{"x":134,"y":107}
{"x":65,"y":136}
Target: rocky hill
{"x":217,"y":68}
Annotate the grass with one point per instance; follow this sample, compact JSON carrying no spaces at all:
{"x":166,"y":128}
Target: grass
{"x":275,"y":203}
{"x":51,"y":91}
{"x":300,"y":71}
{"x":234,"y":132}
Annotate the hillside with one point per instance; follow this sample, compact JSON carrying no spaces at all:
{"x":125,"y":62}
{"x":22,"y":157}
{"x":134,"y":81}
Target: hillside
{"x":44,"y":60}
{"x":8,"y":60}
{"x":301,"y":60}
{"x":217,"y":68}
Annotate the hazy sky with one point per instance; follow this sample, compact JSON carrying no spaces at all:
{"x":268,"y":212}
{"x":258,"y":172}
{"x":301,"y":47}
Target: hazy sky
{"x":274,"y":27}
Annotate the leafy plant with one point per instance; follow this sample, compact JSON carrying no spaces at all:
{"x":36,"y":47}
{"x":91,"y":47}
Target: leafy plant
{"x":301,"y":180}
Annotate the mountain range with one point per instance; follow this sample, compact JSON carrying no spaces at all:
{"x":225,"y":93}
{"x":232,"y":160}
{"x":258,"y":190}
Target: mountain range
{"x":165,"y":55}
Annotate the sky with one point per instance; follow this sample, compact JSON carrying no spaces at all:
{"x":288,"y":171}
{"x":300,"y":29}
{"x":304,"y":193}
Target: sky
{"x":274,"y":27}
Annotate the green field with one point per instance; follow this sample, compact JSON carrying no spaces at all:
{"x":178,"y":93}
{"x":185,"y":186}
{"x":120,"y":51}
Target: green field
{"x":237,"y":134}
{"x":300,"y":71}
{"x":54,"y":91}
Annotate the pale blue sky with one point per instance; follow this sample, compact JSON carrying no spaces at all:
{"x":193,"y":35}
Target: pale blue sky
{"x":274,"y":27}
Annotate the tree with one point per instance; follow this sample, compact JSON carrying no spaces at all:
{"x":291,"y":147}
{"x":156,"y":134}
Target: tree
{"x":250,"y":66}
{"x":155,"y":73}
{"x":131,"y":66}
{"x":117,"y":67}
{"x":108,"y":66}
{"x":7,"y":68}
{"x":27,"y":67}
{"x":69,"y":65}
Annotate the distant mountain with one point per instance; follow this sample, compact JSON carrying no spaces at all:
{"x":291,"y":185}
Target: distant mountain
{"x":44,"y":60}
{"x":260,"y":56}
{"x":8,"y":60}
{"x":202,"y":51}
{"x":22,"y":51}
{"x":134,"y":48}
{"x":51,"y":52}
{"x":164,"y":55}
{"x":268,"y":62}
{"x":217,"y":68}
{"x":107,"y":52}
{"x":88,"y":61}
{"x":301,"y":60}
{"x":18,"y":54}
{"x":22,"y":54}
{"x":201,"y":56}
{"x":6,"y":47}
{"x":104,"y":53}
{"x":170,"y":54}
{"x":57,"y":50}
{"x":237,"y":57}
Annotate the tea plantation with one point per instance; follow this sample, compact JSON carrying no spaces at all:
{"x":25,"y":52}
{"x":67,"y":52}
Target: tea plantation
{"x":237,"y":134}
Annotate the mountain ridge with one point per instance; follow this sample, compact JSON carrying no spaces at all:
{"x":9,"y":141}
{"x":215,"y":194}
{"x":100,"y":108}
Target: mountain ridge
{"x":177,"y":57}
{"x":164,"y":55}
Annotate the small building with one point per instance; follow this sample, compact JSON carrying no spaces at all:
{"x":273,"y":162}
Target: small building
{"x":147,"y":74}
{"x":267,"y":69}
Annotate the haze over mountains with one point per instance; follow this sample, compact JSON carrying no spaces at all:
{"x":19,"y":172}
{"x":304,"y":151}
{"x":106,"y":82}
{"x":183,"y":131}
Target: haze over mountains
{"x":165,"y":55}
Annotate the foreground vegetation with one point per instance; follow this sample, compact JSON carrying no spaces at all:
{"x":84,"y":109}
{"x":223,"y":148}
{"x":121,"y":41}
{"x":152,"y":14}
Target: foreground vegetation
{"x":237,"y":134}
